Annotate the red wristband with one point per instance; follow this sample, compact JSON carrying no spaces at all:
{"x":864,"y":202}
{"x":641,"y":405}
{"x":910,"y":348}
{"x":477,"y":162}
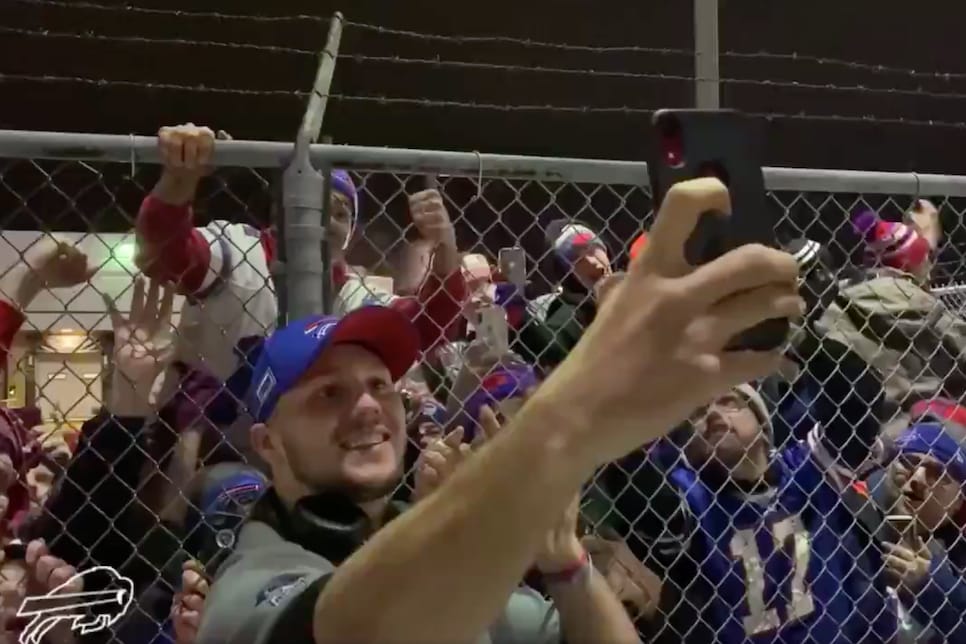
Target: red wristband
{"x":570,"y":573}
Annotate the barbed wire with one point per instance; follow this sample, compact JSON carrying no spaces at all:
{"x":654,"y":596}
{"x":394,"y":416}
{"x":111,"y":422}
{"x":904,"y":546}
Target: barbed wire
{"x":177,"y":13}
{"x":439,"y":62}
{"x":589,"y":109}
{"x":478,"y":65}
{"x":666,"y":51}
{"x":761,"y":54}
{"x":525,"y":42}
{"x":104,"y":82}
{"x":443,"y":103}
{"x":144,"y":40}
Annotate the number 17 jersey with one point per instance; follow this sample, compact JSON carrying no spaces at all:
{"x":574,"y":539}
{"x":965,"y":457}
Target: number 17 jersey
{"x":786,"y":566}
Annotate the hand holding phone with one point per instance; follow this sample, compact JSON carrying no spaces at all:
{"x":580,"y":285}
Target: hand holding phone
{"x":905,"y":526}
{"x":727,"y":145}
{"x":513,"y":266}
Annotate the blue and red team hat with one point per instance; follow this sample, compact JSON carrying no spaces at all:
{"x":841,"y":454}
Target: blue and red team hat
{"x":292,"y":350}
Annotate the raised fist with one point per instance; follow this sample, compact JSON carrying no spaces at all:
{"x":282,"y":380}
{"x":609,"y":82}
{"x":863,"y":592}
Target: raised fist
{"x":58,"y":264}
{"x":186,"y":149}
{"x":925,"y":217}
{"x":431,"y":217}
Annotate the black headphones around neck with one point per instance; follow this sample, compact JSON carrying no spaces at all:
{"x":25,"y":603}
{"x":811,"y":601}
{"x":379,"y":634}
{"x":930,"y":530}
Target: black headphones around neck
{"x":329,"y":524}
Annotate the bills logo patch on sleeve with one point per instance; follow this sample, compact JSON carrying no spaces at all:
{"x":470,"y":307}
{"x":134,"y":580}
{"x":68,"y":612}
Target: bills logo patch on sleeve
{"x":280,"y":587}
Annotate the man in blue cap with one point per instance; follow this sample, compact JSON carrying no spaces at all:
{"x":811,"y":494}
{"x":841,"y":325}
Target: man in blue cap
{"x":330,"y":424}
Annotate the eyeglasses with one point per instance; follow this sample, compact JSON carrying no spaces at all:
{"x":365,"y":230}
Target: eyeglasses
{"x":934,"y":472}
{"x":727,"y":404}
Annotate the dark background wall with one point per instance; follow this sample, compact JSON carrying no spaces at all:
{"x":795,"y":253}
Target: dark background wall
{"x":880,"y":121}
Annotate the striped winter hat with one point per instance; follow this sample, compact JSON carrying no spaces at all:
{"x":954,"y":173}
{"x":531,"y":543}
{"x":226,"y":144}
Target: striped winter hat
{"x":571,"y":241}
{"x":889,"y":243}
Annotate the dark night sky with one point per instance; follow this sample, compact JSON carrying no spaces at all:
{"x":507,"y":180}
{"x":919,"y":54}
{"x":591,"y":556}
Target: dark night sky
{"x":928,"y":38}
{"x":925,"y":37}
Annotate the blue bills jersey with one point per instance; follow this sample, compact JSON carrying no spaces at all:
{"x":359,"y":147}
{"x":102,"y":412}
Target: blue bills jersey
{"x":786,"y":566}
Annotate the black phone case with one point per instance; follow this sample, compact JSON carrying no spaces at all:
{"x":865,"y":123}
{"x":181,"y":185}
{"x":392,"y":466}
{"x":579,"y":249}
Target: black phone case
{"x":728,"y":145}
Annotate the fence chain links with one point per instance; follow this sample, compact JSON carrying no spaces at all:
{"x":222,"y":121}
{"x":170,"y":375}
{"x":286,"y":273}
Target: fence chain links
{"x":67,"y":367}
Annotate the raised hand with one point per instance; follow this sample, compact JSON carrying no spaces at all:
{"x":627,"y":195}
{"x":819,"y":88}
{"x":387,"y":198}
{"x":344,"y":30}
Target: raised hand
{"x":188,"y":604}
{"x":907,"y":564}
{"x":47,"y":572}
{"x":925,"y":217}
{"x":186,"y":149}
{"x":59,"y":264}
{"x":431,"y":218}
{"x":438,"y":461}
{"x":143,"y":342}
{"x":442,"y":457}
{"x":561,"y":548}
{"x":47,"y":264}
{"x":638,"y":588}
{"x":186,"y":152}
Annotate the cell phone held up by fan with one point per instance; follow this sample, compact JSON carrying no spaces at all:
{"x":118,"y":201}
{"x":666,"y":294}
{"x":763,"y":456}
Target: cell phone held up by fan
{"x":904,"y":527}
{"x":728,"y":145}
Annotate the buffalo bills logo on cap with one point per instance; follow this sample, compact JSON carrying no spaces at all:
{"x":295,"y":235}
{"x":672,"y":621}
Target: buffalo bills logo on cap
{"x":244,"y":494}
{"x":265,"y":386}
{"x":319,"y":328}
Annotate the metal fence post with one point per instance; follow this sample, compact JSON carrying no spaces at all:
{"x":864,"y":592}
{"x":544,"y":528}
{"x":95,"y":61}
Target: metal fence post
{"x":305,"y":196}
{"x":707,"y":88}
{"x":303,"y":235}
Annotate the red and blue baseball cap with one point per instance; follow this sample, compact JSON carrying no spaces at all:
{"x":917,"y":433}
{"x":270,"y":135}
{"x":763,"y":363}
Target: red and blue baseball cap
{"x":292,"y":350}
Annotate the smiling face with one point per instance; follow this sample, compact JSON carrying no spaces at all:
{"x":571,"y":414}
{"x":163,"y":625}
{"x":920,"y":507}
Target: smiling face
{"x":341,"y":428}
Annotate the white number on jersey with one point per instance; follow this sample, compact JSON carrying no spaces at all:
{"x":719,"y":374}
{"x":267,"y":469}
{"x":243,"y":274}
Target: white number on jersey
{"x":789,"y":536}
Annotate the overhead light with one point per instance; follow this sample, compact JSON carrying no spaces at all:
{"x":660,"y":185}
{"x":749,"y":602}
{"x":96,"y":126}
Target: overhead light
{"x":123,"y":253}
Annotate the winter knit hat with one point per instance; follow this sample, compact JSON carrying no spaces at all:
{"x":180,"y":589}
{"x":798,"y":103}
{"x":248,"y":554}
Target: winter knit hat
{"x":758,"y":406}
{"x":503,"y":383}
{"x":571,"y":241}
{"x":889,"y":243}
{"x":679,"y":437}
{"x":934,"y":440}
{"x":342,"y":184}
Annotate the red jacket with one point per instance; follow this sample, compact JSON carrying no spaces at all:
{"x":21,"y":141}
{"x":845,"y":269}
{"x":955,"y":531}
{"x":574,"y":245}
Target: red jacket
{"x":16,"y":439}
{"x":182,"y":256}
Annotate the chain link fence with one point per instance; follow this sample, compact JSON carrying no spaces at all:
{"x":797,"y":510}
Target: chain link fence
{"x":113,"y":488}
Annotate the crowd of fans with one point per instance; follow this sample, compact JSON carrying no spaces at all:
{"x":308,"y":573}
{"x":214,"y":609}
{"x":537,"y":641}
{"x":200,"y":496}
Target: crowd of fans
{"x":820,"y":504}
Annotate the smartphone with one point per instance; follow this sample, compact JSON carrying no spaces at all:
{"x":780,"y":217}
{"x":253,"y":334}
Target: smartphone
{"x":728,"y":145}
{"x":513,"y":265}
{"x":494,"y":330}
{"x":905,"y":526}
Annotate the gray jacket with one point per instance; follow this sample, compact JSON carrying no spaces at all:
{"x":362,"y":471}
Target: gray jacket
{"x":268,"y":581}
